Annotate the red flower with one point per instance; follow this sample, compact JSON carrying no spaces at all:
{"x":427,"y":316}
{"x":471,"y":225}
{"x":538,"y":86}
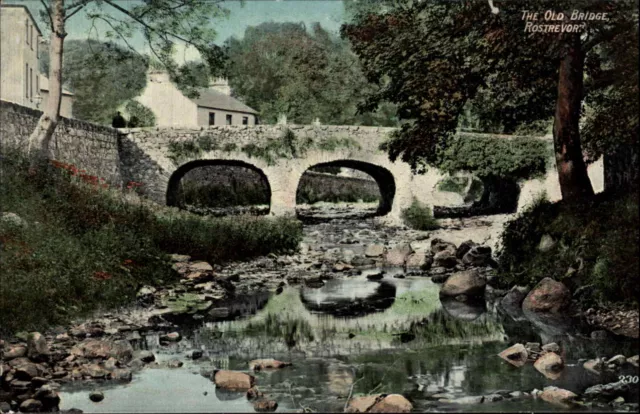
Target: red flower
{"x":101,"y":275}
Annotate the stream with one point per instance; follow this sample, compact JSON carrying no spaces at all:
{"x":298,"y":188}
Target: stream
{"x":354,"y":335}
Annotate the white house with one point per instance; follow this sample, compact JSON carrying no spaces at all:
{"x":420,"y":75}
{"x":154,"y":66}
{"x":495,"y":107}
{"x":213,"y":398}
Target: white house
{"x":20,"y":78}
{"x":214,"y":106}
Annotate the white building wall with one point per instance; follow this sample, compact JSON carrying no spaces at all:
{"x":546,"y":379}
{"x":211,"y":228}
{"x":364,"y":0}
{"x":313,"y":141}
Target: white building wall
{"x":168,"y":104}
{"x":221,"y":117}
{"x":19,"y":42}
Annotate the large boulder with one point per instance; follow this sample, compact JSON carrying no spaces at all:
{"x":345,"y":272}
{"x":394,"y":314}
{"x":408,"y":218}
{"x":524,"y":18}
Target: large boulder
{"x":12,"y":220}
{"x":548,"y":296}
{"x":516,"y":355}
{"x":468,"y":282}
{"x":550,"y":365}
{"x":558,"y":397}
{"x":418,"y":260}
{"x":233,"y":380}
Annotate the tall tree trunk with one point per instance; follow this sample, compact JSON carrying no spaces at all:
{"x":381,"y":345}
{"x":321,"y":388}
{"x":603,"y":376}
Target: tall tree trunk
{"x":572,"y":170}
{"x":41,"y":137}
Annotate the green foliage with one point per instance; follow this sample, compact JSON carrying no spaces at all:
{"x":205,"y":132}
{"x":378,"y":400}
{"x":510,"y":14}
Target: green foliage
{"x":86,"y":247}
{"x":283,"y":68}
{"x":138,"y":115}
{"x":312,"y":189}
{"x":419,"y":217}
{"x":238,"y":193}
{"x":601,"y":234}
{"x":102,"y":77}
{"x":488,"y":156}
{"x":453,"y":184}
{"x":434,"y":59}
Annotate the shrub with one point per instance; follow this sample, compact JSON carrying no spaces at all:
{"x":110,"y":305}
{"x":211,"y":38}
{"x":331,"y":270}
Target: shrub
{"x":419,"y":217}
{"x":601,"y":234}
{"x":86,"y":246}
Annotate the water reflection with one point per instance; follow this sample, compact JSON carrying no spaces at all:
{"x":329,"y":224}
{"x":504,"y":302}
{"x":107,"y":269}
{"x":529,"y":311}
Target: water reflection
{"x":466,"y":311}
{"x":349,"y":298}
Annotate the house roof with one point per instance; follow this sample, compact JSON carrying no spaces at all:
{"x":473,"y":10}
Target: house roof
{"x":210,"y":98}
{"x":44,"y":86}
{"x":35,"y":23}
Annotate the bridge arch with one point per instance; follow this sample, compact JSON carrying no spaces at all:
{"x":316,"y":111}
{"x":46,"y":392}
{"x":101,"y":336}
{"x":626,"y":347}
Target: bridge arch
{"x":173,"y":186}
{"x":382,"y":176}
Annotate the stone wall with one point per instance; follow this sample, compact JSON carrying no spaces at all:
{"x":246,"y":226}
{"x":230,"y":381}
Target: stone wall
{"x":93,"y":148}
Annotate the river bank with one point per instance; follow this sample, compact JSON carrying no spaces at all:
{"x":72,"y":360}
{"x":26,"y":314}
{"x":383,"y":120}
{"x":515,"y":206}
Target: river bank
{"x":358,"y":311}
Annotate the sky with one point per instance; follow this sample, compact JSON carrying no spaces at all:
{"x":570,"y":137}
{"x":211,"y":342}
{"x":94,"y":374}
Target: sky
{"x":329,"y":13}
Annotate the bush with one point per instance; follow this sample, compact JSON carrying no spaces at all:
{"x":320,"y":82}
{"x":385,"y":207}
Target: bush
{"x":86,"y":246}
{"x":600,"y":236}
{"x":419,"y":217}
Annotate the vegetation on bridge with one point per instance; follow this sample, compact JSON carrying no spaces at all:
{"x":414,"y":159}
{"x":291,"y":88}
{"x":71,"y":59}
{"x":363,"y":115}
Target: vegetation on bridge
{"x":85,"y":246}
{"x":270,"y":150}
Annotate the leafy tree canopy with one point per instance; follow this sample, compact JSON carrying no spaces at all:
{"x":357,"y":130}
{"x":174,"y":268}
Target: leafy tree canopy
{"x":434,"y":58}
{"x":283,"y":68}
{"x":102,"y":77}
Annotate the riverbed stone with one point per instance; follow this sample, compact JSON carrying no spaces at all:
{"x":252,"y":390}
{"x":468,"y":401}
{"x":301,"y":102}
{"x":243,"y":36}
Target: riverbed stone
{"x":397,"y":255}
{"x":146,"y":356}
{"x":171,"y":337}
{"x":445,"y":258}
{"x":516,"y":355}
{"x":96,"y":396}
{"x":551,"y":347}
{"x":392,"y":403}
{"x":477,"y":256}
{"x":548,"y":296}
{"x":467,"y":282}
{"x":618,"y":360}
{"x":438,"y":245}
{"x":180,"y":258}
{"x":48,"y":396}
{"x":267,"y":363}
{"x":17,"y":351}
{"x":633,"y":360}
{"x":471,"y":399}
{"x":464,"y":247}
{"x":265,"y":406}
{"x":104,"y":349}
{"x":361,"y":404}
{"x":558,"y":397}
{"x":607,"y":392}
{"x":550,"y":365}
{"x":37,"y":349}
{"x":418,"y":260}
{"x":30,"y":405}
{"x":594,"y":365}
{"x":374,"y":250}
{"x":233,"y":380}
{"x":511,"y":303}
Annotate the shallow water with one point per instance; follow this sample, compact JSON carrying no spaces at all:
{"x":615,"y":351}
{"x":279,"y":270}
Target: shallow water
{"x":353,"y":336}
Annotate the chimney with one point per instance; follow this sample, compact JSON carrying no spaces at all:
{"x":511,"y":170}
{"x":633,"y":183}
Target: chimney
{"x":221,"y":85}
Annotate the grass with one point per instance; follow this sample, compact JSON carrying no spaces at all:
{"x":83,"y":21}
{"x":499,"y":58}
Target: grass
{"x":419,"y":217}
{"x":85,"y":247}
{"x":602,"y":233}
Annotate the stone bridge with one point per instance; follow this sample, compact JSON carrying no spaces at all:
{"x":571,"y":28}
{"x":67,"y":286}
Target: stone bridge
{"x":160,"y":157}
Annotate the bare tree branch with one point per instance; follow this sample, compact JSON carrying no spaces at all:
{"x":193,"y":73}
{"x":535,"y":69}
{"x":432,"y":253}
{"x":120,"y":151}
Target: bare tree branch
{"x":124,"y":39}
{"x":48,"y":10}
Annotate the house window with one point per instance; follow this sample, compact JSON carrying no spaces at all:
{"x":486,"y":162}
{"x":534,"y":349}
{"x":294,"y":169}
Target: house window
{"x":37,"y":84}
{"x":31,"y":34}
{"x":212,"y":118}
{"x":27,"y":38}
{"x":245,"y":120}
{"x":31,"y":83}
{"x":229,"y":119}
{"x":26,"y":81}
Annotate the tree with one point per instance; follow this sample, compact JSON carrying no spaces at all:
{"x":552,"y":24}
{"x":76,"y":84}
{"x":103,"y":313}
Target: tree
{"x":102,"y":76}
{"x":283,"y":68}
{"x":437,"y":56}
{"x":161,"y":23}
